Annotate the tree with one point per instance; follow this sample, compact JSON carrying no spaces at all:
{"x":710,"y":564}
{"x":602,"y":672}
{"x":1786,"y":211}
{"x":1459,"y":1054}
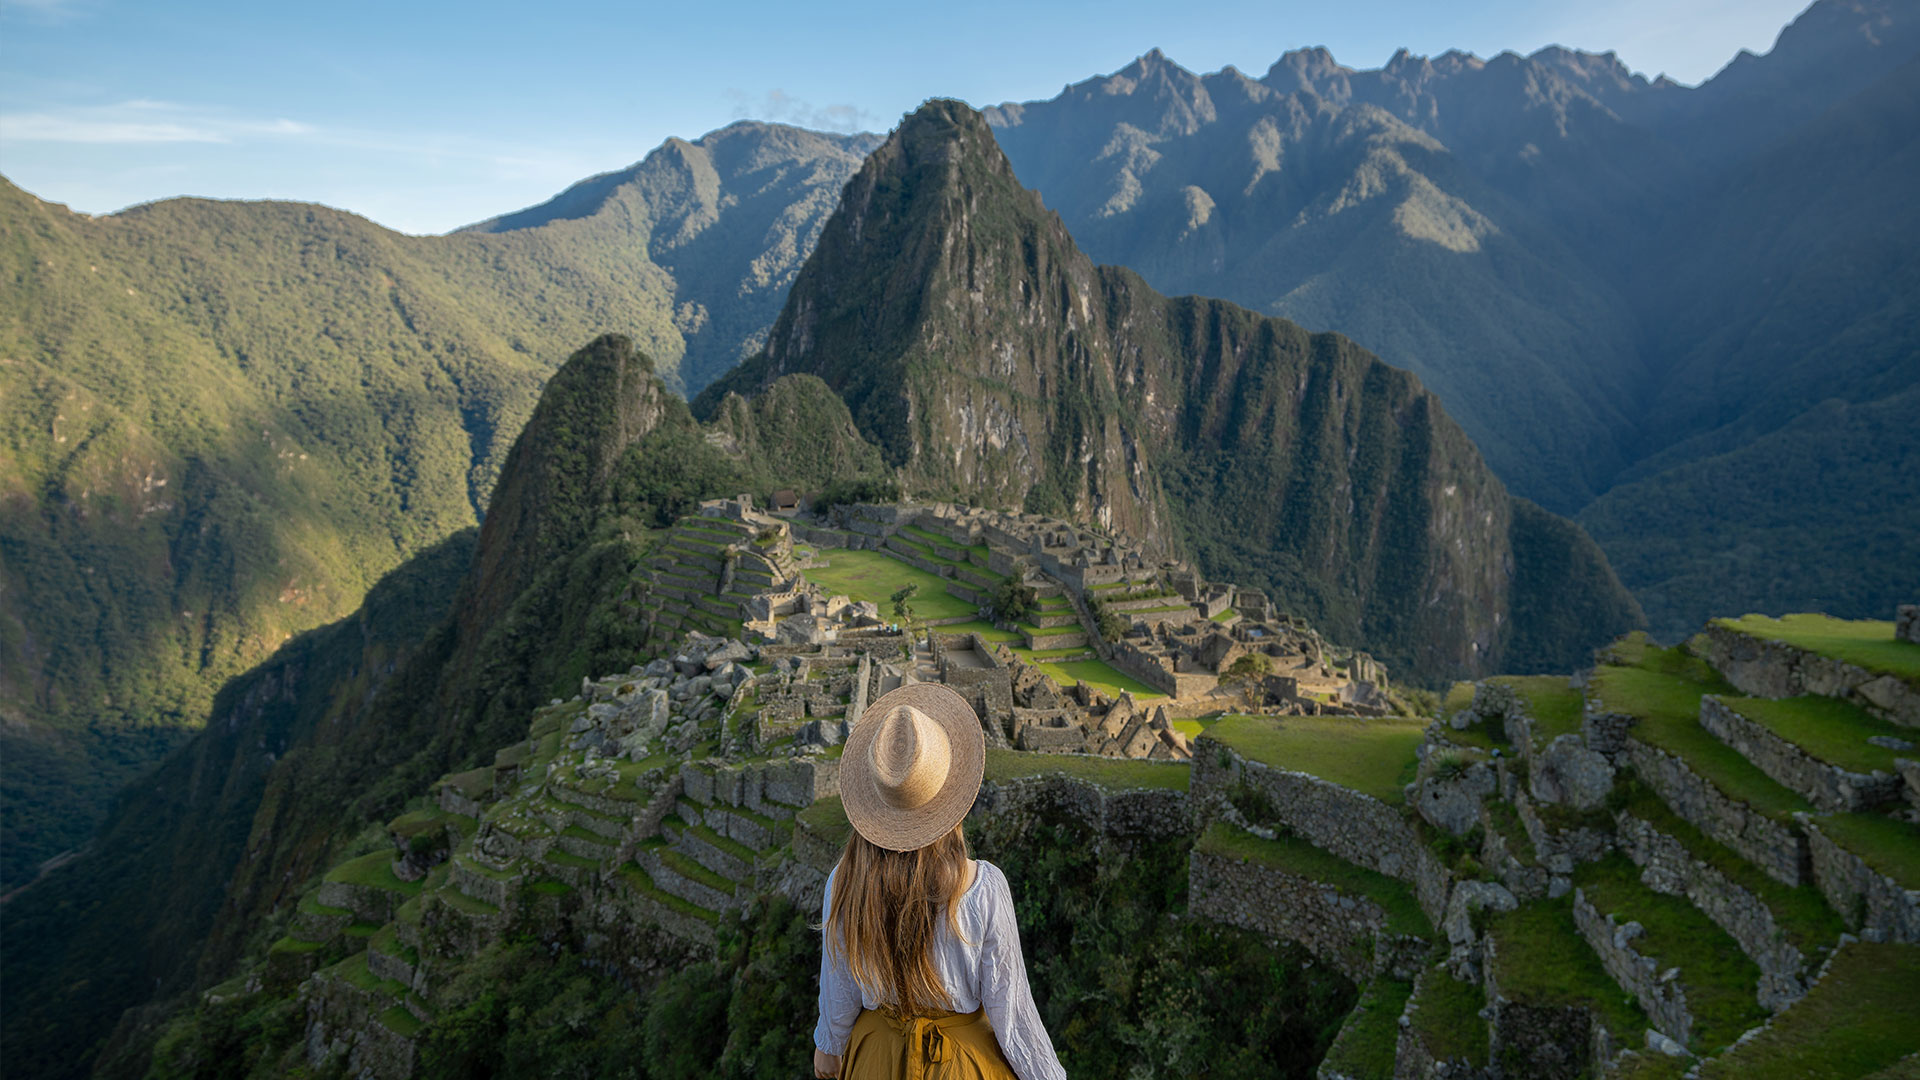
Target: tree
{"x":1112,"y":625}
{"x":1251,"y":667}
{"x":902,"y":600}
{"x":1012,"y":600}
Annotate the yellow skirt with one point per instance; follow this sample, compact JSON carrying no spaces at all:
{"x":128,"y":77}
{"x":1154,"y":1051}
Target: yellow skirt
{"x":942,"y":1046}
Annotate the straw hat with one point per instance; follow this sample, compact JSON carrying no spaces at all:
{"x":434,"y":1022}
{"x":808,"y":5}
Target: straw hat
{"x":912,"y":766}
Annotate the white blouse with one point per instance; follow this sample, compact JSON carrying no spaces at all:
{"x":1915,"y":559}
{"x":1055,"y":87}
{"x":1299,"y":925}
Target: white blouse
{"x":984,"y":967}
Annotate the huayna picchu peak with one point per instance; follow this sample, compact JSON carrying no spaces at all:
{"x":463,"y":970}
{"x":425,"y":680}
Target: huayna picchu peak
{"x":993,"y":362}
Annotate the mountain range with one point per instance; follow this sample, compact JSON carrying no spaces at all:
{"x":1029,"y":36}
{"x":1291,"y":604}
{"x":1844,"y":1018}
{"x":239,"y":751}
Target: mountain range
{"x":1186,"y":422}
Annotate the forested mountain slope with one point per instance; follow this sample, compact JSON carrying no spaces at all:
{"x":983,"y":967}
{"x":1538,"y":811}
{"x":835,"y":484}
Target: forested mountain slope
{"x":220,"y":422}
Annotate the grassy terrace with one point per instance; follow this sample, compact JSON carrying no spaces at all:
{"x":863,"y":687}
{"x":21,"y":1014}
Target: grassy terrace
{"x":1054,"y":656}
{"x":1101,"y":675}
{"x":373,"y":870}
{"x":1372,"y":1037}
{"x":986,"y":630}
{"x":637,"y":880}
{"x":1295,"y":856}
{"x":1801,"y":913}
{"x":1374,"y":757}
{"x":1718,"y":978}
{"x":1554,"y":706}
{"x":1859,"y":1019}
{"x":1117,"y":773}
{"x":1827,"y":728}
{"x":1888,"y":845}
{"x":354,"y":970}
{"x":1194,"y":728}
{"x":1447,"y":1018}
{"x":1668,"y":707}
{"x":827,"y":818}
{"x":869,"y":575}
{"x":1867,"y":643}
{"x":1541,"y":959}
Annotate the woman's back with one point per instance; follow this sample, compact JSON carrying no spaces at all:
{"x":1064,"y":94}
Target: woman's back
{"x":981,"y":969}
{"x":921,"y":958}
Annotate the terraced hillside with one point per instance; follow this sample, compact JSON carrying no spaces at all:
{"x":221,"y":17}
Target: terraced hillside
{"x":1601,"y":877}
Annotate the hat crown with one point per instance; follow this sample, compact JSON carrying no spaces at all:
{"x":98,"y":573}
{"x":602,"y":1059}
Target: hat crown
{"x":910,"y":756}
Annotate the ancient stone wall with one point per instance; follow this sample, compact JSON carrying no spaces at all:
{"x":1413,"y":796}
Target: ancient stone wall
{"x":1906,"y":623}
{"x":1772,"y":846}
{"x":1828,"y":787}
{"x":1348,"y":932}
{"x":1358,"y":828}
{"x":1129,"y":813}
{"x":1667,"y":867}
{"x":1662,"y":999}
{"x":1773,"y":669}
{"x":1870,"y":901}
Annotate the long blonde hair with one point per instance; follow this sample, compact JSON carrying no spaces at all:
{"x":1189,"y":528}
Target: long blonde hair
{"x":884,"y":912}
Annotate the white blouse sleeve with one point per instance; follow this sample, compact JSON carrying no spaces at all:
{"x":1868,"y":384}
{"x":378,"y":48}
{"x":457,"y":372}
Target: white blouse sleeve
{"x":840,"y":1000}
{"x":1004,"y":992}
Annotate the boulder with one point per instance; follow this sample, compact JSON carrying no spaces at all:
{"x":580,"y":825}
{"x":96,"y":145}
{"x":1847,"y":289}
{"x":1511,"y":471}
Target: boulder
{"x":1567,"y":772}
{"x":1468,"y":897}
{"x":728,"y":652}
{"x":1452,"y":802}
{"x":658,"y":669}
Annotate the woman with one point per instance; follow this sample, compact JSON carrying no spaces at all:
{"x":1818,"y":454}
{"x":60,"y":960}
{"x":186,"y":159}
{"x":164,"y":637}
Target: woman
{"x":921,"y":974}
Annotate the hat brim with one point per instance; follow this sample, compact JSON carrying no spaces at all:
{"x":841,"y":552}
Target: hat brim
{"x":909,"y":830}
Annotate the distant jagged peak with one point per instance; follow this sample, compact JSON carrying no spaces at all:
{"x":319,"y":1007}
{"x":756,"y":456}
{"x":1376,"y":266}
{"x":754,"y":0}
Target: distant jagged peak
{"x":744,"y":144}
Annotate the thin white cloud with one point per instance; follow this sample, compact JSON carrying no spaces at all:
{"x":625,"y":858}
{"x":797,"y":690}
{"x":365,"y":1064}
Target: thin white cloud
{"x":781,"y":107}
{"x":140,"y":121}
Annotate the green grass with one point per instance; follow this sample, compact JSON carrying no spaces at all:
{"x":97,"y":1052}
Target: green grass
{"x":354,"y":970}
{"x":1861,"y":1018}
{"x":1193,"y":729}
{"x":1888,"y":845}
{"x":1295,"y":856}
{"x":1478,"y":736}
{"x":418,"y":821}
{"x":1505,"y":820}
{"x":1374,"y":757}
{"x":1802,"y":913}
{"x":1668,"y":708}
{"x":291,"y":944}
{"x":549,"y":887}
{"x":693,"y":871}
{"x":1226,"y":615}
{"x":1827,"y":728}
{"x":401,"y":1022}
{"x":724,"y":843}
{"x":374,"y":870}
{"x":1541,"y":959}
{"x":1719,"y":979}
{"x":637,"y":879}
{"x":986,"y":630}
{"x":869,"y":575}
{"x":1116,"y":773}
{"x":474,"y":783}
{"x":827,"y":818}
{"x":1459,"y":696}
{"x":1101,"y":676}
{"x":1867,"y":643}
{"x":1555,"y":707}
{"x":363,"y":930}
{"x":1367,"y":1050}
{"x":579,"y":832}
{"x":558,"y":857}
{"x":311,"y":904}
{"x":1447,"y":1018}
{"x":1054,"y":656}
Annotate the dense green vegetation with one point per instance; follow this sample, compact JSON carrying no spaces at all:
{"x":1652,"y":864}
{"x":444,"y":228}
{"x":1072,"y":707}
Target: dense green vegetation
{"x":1127,"y":988}
{"x":220,"y":422}
{"x":435,"y":674}
{"x":1541,"y":959}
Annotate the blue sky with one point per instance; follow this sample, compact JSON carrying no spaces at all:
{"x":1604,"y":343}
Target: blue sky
{"x":426,"y":116}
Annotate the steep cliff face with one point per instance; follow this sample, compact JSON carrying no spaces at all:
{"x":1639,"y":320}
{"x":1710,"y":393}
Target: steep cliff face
{"x":992,"y":361}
